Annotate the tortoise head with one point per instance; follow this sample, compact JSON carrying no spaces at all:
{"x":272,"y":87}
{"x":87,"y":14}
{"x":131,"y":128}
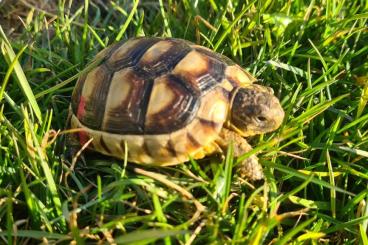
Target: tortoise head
{"x":255,"y":110}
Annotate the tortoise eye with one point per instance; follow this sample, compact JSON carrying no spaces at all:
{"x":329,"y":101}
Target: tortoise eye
{"x":261,"y":119}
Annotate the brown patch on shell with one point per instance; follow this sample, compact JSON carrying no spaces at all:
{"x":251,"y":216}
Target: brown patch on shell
{"x":201,"y":71}
{"x":130,"y":52}
{"x":172,"y":105}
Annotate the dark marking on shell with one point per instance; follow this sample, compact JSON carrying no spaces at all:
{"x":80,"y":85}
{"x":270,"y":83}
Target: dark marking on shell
{"x":212,"y":77}
{"x":106,"y":53}
{"x":104,"y":146}
{"x":146,"y":149}
{"x":178,"y":113}
{"x":208,"y":123}
{"x":133,"y":55}
{"x":180,"y":40}
{"x":167,"y":61}
{"x":129,"y":116}
{"x":226,"y":94}
{"x":171,"y":148}
{"x":144,"y":104}
{"x":193,"y":141}
{"x":233,"y":82}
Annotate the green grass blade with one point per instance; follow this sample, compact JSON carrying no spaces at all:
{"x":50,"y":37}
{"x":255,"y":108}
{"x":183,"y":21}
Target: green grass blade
{"x":37,"y":234}
{"x":127,"y":22}
{"x":10,"y":56}
{"x":147,"y":236}
{"x":229,"y":28}
{"x":9,"y":72}
{"x":52,"y":187}
{"x":300,"y":175}
{"x":290,"y":235}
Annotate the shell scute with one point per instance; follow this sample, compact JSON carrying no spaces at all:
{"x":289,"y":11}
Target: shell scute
{"x":162,"y":57}
{"x":129,"y":53}
{"x":125,"y":103}
{"x":201,"y":71}
{"x":172,"y":105}
{"x":92,"y":99}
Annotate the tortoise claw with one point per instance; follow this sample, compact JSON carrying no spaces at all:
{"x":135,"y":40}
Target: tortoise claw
{"x":250,"y":169}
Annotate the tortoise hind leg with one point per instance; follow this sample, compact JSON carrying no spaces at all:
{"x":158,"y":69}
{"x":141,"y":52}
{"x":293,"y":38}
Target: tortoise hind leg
{"x":248,"y":168}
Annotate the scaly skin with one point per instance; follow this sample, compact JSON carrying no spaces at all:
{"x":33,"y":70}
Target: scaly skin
{"x":250,"y":168}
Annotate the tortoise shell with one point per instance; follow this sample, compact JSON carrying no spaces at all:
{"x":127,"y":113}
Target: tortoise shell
{"x":166,"y":98}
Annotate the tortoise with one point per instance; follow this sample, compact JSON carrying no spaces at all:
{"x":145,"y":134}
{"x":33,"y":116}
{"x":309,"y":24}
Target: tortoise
{"x":169,"y":100}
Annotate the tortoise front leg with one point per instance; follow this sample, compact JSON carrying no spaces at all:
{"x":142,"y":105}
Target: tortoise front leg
{"x":250,"y":167}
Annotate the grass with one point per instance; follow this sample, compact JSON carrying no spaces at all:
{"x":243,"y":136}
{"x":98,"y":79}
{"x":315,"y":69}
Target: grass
{"x":314,"y":54}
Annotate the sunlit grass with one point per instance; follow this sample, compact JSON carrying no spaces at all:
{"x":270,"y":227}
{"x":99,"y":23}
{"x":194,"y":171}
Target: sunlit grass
{"x":314,"y":55}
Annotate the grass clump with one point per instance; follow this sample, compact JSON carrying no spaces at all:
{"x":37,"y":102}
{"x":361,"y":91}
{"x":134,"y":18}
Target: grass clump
{"x":313,"y":54}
